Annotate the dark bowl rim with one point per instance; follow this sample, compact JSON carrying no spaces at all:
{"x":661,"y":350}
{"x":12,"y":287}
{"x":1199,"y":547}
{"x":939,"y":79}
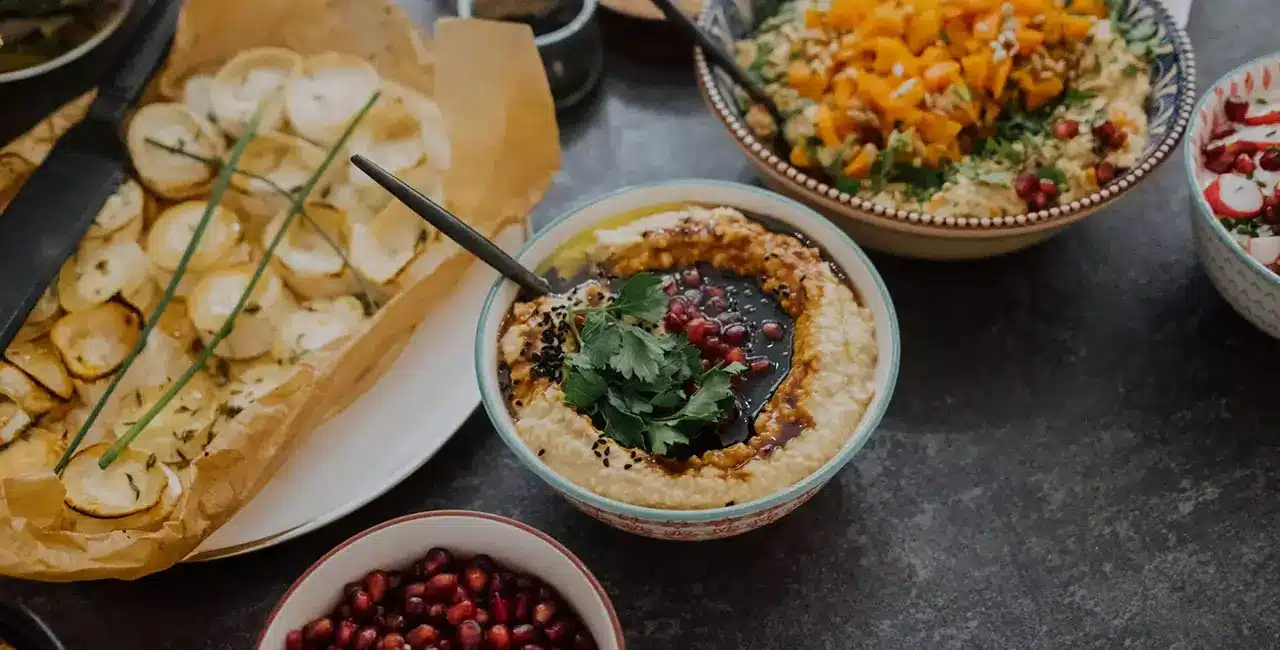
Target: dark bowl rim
{"x":18,"y":619}
{"x":431,"y":514}
{"x":816,"y":189}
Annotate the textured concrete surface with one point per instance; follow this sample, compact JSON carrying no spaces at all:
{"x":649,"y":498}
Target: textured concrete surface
{"x":1082,"y":451}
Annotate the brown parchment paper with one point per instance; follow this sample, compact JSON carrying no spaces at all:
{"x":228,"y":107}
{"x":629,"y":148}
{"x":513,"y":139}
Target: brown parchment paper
{"x":491,"y":88}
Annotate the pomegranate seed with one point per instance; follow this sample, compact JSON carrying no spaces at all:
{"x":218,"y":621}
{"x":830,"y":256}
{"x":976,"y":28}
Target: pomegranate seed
{"x":760,"y":365}
{"x":482,"y":617}
{"x":693,"y":297}
{"x":715,"y":305}
{"x":418,"y":589}
{"x":393,"y":623}
{"x":435,"y":561}
{"x":522,"y":607}
{"x":544,"y":611}
{"x":1270,"y":160}
{"x":1218,"y":165}
{"x":1244,"y":164}
{"x":361,"y":604}
{"x":366,"y":639}
{"x":1066,"y":129}
{"x":442,"y":586}
{"x":1224,"y":132}
{"x":1236,"y":109}
{"x":499,"y":637}
{"x":500,"y":583}
{"x":470,"y":636}
{"x":293,"y":640}
{"x":735,"y":355}
{"x":415,"y":606}
{"x":730,"y":317}
{"x":393,"y":641}
{"x":559,"y":630}
{"x":1212,"y":150}
{"x":677,"y":306}
{"x":500,"y":608}
{"x":772,"y":330}
{"x":691,"y":277}
{"x":435,"y":613}
{"x":460,"y":594}
{"x":713,"y":291}
{"x":1038,"y":200}
{"x":673,"y":323}
{"x":1241,"y":146}
{"x":376,"y":584}
{"x":1103,"y":131}
{"x":346,"y":633}
{"x":1106,"y":173}
{"x":734,"y":335}
{"x":1025,"y":184}
{"x":697,"y":330}
{"x":1117,"y":141}
{"x":318,"y":631}
{"x":525,"y":633}
{"x":460,"y":612}
{"x":421,"y":636}
{"x":669,"y":286}
{"x":1048,"y":186}
{"x":476,"y":578}
{"x":711,"y":343}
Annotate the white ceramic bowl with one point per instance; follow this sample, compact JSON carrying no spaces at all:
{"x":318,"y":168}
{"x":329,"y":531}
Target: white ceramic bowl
{"x":400,"y":542}
{"x":715,"y":522}
{"x":1252,"y":289}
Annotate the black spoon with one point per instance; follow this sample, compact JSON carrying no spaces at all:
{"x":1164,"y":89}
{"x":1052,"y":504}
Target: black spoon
{"x":721,"y":59}
{"x":454,"y":228}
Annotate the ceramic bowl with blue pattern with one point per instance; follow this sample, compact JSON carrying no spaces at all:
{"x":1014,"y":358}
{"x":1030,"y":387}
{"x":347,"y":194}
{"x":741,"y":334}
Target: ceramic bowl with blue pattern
{"x":1251,"y":288}
{"x":923,"y":235}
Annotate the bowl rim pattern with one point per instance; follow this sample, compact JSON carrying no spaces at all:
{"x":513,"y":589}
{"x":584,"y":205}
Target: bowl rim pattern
{"x":494,"y":405}
{"x":1203,"y":211}
{"x":878,"y":214}
{"x":615,"y":622}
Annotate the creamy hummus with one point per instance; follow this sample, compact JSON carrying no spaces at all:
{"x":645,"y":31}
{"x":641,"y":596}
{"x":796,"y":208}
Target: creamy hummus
{"x":809,"y":417}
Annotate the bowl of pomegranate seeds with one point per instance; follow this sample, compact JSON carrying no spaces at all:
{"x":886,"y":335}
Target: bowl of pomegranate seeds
{"x":1233,"y":164}
{"x":446,"y":580}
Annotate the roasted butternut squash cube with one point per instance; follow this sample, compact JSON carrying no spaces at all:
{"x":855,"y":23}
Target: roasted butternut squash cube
{"x":1076,"y":28}
{"x":977,"y":67}
{"x":885,"y":20}
{"x":940,"y":76}
{"x":923,"y":30}
{"x":860,"y":165}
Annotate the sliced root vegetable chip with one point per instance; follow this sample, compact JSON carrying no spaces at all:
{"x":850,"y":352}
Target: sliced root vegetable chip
{"x":381,"y":248}
{"x":46,"y":307}
{"x":169,"y":174}
{"x":104,"y":272}
{"x":173,"y":230}
{"x":288,"y":161}
{"x":1265,"y":249}
{"x":403,"y":130}
{"x":330,"y":89}
{"x":13,"y":421}
{"x":197,"y":94}
{"x":94,"y":342}
{"x":1261,"y":113}
{"x":27,"y":392}
{"x":306,"y":257}
{"x":248,"y":79}
{"x":316,"y":325}
{"x":213,"y":300}
{"x":180,"y":432}
{"x":134,"y":483}
{"x":1259,"y":137}
{"x":34,"y":451}
{"x":38,"y":359}
{"x":122,"y":208}
{"x":1234,"y":197}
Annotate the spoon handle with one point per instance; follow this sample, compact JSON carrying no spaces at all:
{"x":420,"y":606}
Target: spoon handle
{"x":453,"y":227}
{"x":721,"y":59}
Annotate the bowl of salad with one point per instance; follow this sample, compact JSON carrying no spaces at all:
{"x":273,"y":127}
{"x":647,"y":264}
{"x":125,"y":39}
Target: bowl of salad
{"x":37,"y":36}
{"x":952,"y":129}
{"x":1233,"y":164}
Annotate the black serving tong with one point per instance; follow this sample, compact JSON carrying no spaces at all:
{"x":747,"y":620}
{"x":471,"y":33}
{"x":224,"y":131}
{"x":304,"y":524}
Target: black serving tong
{"x":726,"y":62}
{"x":46,"y":220}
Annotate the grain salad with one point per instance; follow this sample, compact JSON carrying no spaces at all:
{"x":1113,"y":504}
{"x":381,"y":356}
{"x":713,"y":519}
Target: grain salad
{"x":966,"y":108}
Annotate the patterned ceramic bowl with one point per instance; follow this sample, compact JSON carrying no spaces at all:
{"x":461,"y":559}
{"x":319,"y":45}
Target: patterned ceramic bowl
{"x":1250,"y":287}
{"x":921,"y":235}
{"x":717,"y":522}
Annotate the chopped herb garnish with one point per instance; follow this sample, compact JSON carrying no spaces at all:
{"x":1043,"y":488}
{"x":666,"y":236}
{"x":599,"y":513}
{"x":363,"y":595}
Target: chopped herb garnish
{"x":151,"y":461}
{"x":133,"y":485}
{"x":631,"y":380}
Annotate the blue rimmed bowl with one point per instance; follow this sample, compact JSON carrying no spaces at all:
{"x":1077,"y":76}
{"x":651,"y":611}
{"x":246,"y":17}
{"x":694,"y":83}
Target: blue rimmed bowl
{"x":1251,"y":288}
{"x":922,"y":235}
{"x":716,"y":522}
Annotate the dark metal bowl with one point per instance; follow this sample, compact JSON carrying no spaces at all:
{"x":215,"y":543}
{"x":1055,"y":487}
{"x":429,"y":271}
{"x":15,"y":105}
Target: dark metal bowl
{"x":22,"y":629}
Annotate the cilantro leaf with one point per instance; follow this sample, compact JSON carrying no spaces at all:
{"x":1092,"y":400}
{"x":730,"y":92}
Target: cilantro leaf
{"x":663,"y":436}
{"x":668,"y":399}
{"x":637,"y":353}
{"x":1074,"y":97}
{"x":622,"y":426}
{"x":704,"y":404}
{"x":599,"y":338}
{"x":641,"y":297}
{"x":583,"y":387}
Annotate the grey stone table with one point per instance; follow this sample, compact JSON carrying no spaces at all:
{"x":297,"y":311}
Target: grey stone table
{"x":1082,"y":451}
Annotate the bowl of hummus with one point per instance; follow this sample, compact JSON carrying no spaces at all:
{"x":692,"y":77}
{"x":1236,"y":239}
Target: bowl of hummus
{"x":710,"y":356}
{"x":950,"y":129}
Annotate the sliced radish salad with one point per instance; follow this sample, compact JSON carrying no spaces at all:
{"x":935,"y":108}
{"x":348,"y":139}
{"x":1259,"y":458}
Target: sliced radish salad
{"x":1245,"y":193}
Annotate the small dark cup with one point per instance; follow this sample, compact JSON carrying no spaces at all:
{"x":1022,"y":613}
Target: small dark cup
{"x":572,"y":53}
{"x":22,"y":629}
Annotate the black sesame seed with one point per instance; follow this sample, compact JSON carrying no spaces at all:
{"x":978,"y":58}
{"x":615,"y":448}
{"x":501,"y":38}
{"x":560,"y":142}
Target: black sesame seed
{"x":598,"y":454}
{"x":729,"y":504}
{"x":606,"y":462}
{"x":607,"y":450}
{"x":542,"y":451}
{"x":627,"y":466}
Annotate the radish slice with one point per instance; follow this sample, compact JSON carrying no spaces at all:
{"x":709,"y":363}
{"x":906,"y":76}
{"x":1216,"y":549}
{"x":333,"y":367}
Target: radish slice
{"x":1261,"y":111}
{"x":1265,"y":249}
{"x":1234,"y":197}
{"x":1261,"y":136}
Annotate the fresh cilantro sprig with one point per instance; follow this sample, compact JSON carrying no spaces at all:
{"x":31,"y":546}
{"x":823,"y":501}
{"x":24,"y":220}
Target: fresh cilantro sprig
{"x":632,"y":380}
